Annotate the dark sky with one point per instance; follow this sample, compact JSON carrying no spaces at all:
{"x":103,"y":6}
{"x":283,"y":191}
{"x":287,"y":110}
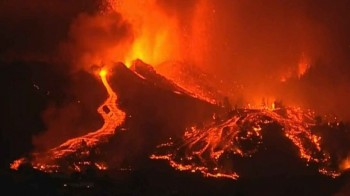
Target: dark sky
{"x":34,"y":28}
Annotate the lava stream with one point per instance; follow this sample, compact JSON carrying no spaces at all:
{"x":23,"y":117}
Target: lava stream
{"x":207,"y":150}
{"x":80,"y":147}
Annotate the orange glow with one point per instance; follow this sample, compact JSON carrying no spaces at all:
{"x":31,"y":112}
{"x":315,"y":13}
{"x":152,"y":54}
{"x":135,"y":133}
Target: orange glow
{"x":152,"y":48}
{"x":155,"y":33}
{"x":297,"y":71}
{"x":345,"y":164}
{"x":303,"y":66}
{"x":159,"y":35}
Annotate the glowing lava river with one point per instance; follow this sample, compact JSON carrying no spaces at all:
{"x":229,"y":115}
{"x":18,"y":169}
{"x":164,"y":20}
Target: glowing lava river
{"x":73,"y":154}
{"x":213,"y":150}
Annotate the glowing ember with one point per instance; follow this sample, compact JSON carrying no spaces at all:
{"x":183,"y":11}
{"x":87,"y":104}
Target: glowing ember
{"x":345,"y":165}
{"x":206,"y":149}
{"x":80,"y":148}
{"x":303,"y":66}
{"x":15,"y":165}
{"x":300,"y":70}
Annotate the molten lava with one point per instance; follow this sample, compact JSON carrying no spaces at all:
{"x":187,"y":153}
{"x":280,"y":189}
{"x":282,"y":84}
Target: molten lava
{"x":74,"y":153}
{"x":241,"y":134}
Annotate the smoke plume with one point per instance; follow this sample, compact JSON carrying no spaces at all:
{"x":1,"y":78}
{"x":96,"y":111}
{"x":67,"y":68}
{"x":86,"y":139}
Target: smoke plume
{"x":296,"y":51}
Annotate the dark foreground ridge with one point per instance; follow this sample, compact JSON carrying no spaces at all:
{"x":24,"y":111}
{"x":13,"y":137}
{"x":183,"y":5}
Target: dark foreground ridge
{"x":162,"y":180}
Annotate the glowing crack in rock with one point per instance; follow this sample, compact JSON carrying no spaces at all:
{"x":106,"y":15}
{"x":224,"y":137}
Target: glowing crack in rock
{"x":73,"y":154}
{"x":205,"y":150}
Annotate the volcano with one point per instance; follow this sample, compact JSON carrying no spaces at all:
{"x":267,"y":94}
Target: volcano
{"x":146,"y":93}
{"x":155,"y":119}
{"x":157,"y":97}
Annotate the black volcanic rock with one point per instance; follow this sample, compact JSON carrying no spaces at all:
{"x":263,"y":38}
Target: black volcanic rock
{"x":156,"y":110}
{"x":148,"y":73}
{"x":151,"y":98}
{"x":205,"y":85}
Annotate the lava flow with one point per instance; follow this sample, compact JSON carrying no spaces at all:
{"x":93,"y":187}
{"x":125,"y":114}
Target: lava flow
{"x":73,"y":155}
{"x":240,"y":135}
